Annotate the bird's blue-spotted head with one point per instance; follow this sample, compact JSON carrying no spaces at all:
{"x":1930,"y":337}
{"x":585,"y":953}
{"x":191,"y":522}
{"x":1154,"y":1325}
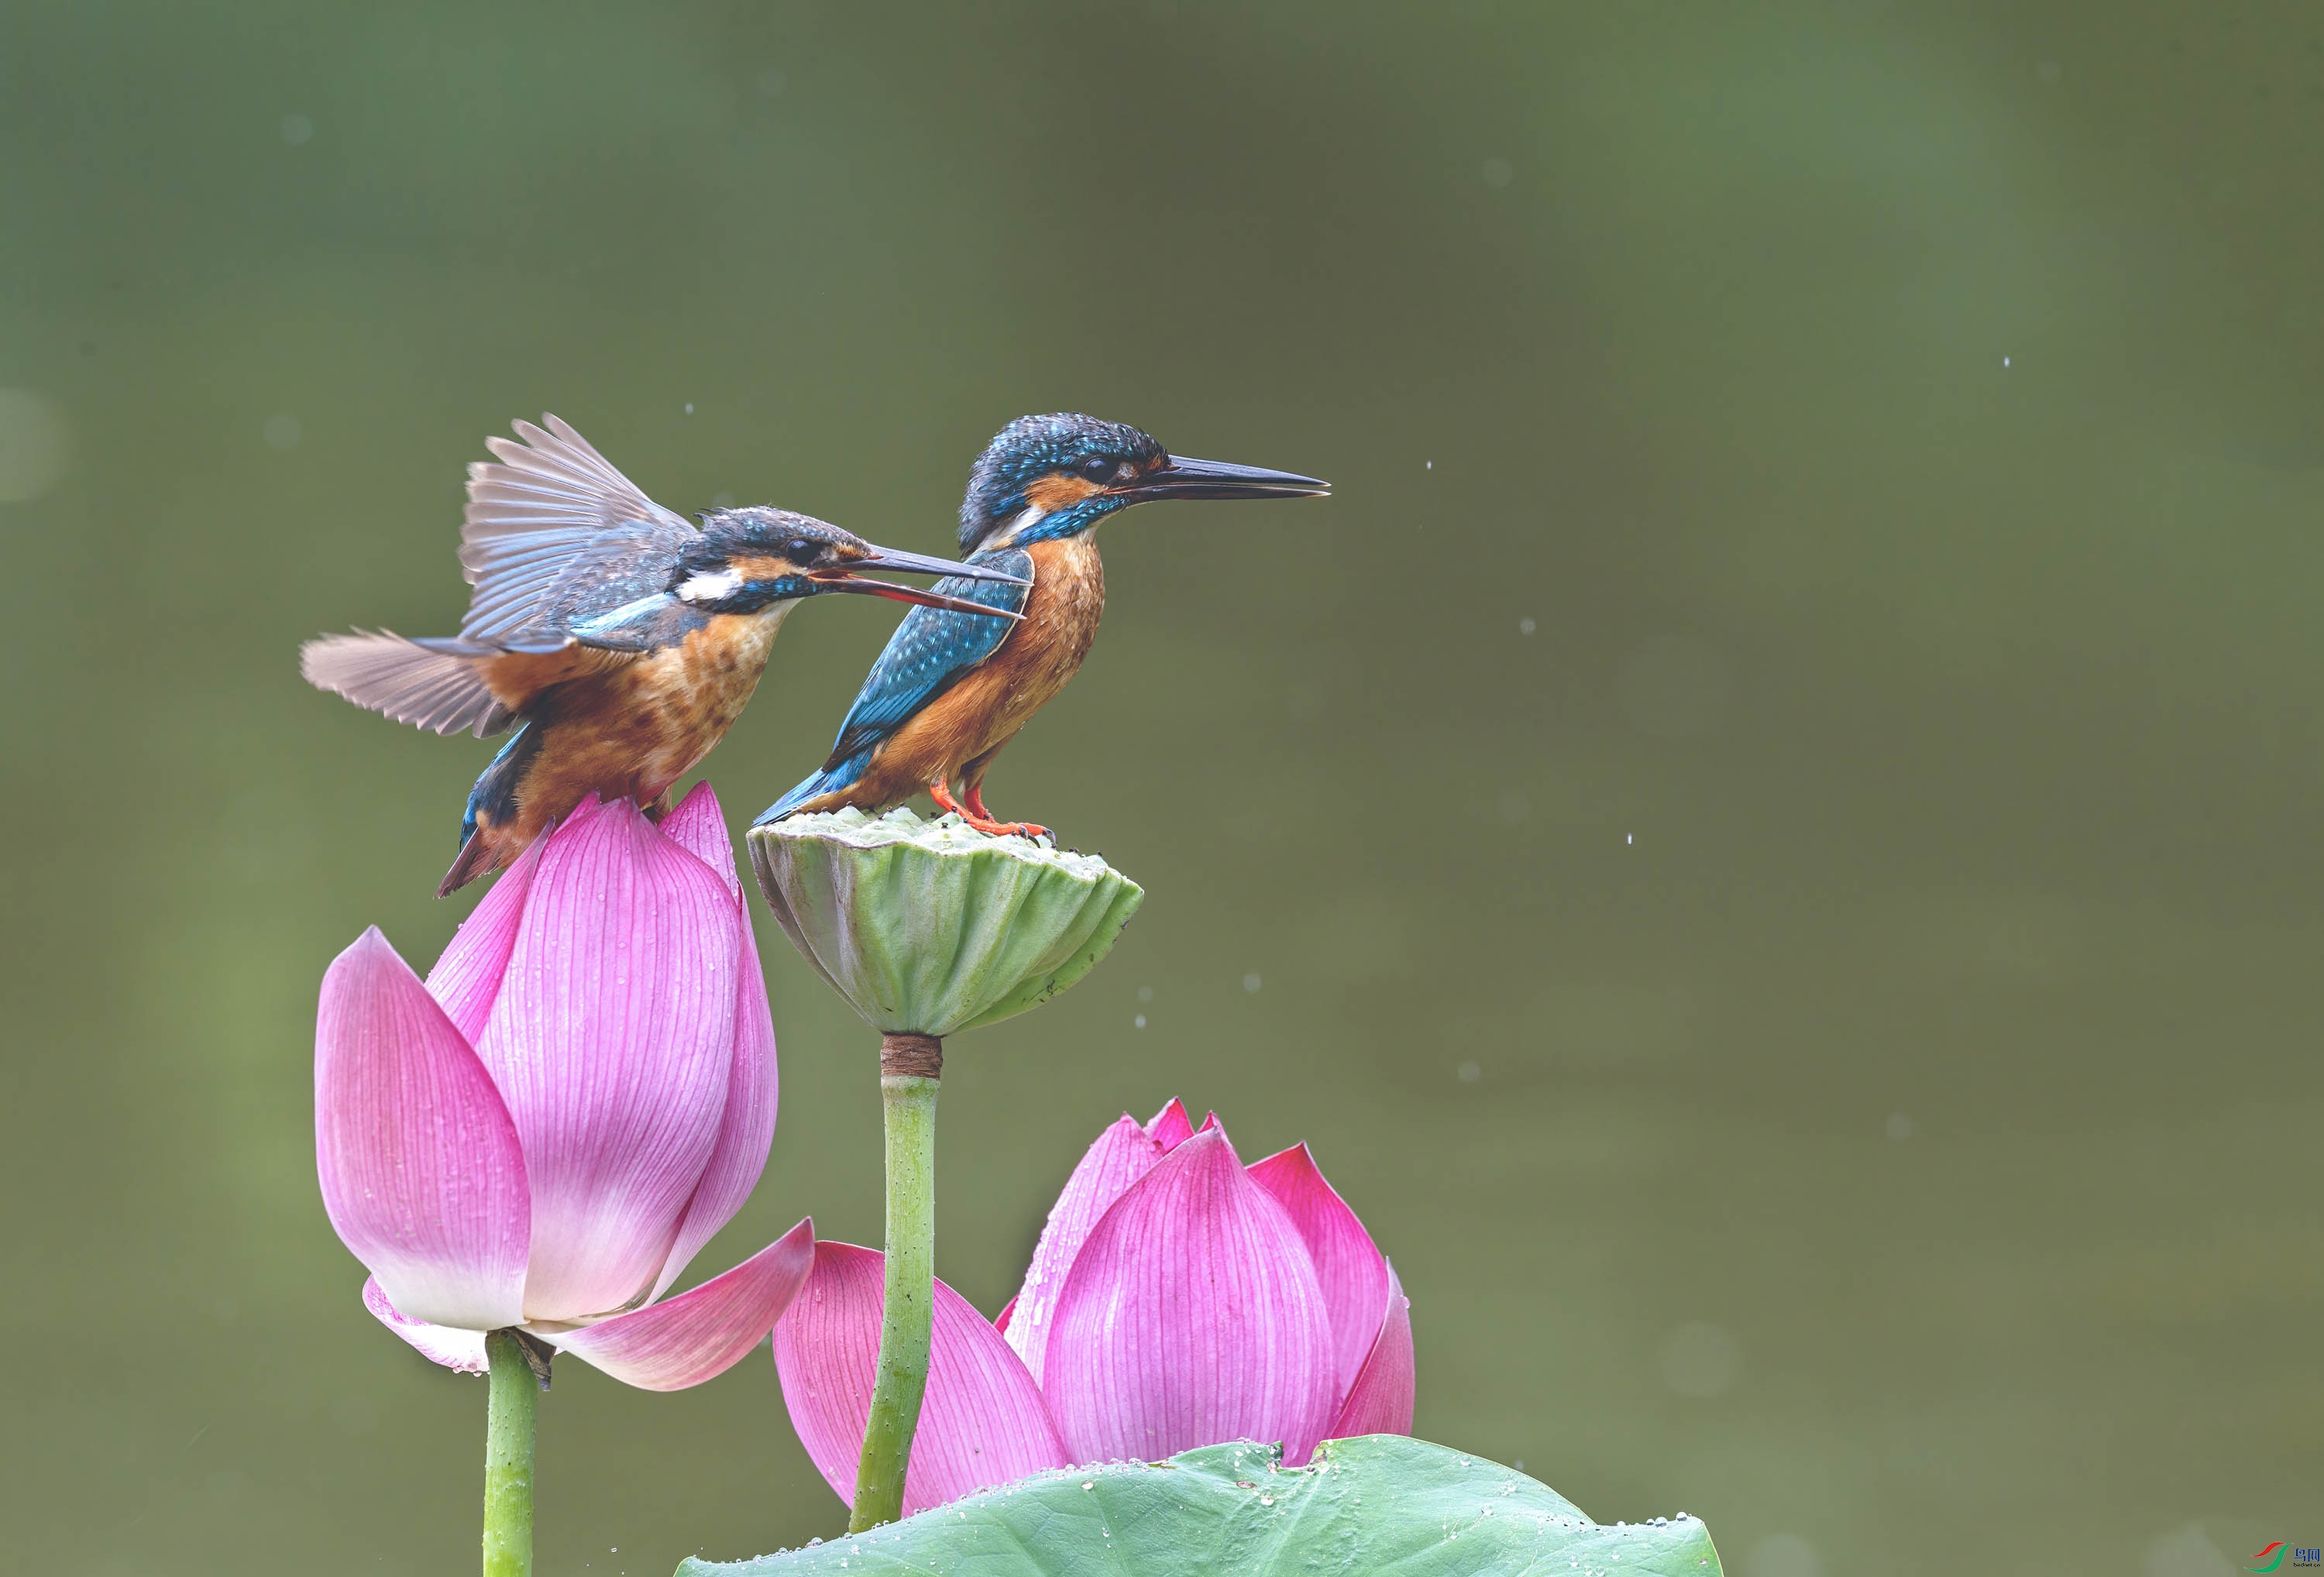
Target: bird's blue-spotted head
{"x":1046,"y":477}
{"x":747,"y":561}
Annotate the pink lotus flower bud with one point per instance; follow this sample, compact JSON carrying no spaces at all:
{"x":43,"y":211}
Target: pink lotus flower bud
{"x":1176,"y":1298}
{"x":581,"y":1093}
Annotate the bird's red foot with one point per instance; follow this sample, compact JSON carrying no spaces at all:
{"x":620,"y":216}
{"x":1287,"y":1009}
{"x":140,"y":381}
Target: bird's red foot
{"x":1001,"y":829}
{"x":975,"y":815}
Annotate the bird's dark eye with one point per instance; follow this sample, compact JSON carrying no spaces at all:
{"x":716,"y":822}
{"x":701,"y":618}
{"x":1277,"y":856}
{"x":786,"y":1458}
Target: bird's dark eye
{"x":802,"y":550}
{"x":1097,"y":468}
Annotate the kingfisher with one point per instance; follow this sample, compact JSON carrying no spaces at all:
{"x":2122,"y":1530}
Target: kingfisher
{"x":617,"y":639}
{"x":951,"y":689}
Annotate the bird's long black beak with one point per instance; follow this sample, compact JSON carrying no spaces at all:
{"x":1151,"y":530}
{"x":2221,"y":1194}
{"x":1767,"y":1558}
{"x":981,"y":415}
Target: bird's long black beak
{"x":849,"y":576}
{"x":900,"y":563}
{"x":1185,"y":478}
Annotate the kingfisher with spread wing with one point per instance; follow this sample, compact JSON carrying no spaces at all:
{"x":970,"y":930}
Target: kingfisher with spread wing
{"x":619,"y":640}
{"x":952,"y":690}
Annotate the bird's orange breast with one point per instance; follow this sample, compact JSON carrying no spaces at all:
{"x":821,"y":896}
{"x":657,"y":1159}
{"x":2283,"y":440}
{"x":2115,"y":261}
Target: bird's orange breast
{"x":990,"y":703}
{"x":636,"y":730}
{"x":1047,"y":648}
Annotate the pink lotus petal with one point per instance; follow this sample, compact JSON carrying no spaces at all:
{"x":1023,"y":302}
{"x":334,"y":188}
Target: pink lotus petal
{"x":612,"y":1041}
{"x":827,"y":1353}
{"x":746,"y":1129}
{"x":454,"y":1349}
{"x":422,"y":1175}
{"x":1348,"y":1265}
{"x":1192,"y":1316}
{"x":698,"y":825}
{"x":1000,"y":1320}
{"x":467,"y":975}
{"x":703,"y":1332}
{"x":981,"y":1423}
{"x":1120,"y":1157}
{"x":1381,"y":1401}
{"x":1171,"y":1126}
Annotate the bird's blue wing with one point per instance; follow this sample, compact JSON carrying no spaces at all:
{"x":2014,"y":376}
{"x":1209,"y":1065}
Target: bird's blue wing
{"x":555,"y":536}
{"x":931,"y":648}
{"x":646,"y":623}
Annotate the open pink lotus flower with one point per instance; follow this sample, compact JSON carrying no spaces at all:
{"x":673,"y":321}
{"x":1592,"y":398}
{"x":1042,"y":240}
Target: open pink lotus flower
{"x":544,"y":1132}
{"x":1176,"y":1298}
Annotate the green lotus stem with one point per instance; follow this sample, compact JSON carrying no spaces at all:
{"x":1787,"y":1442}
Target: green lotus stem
{"x":910,"y":1066}
{"x":507,"y":1458}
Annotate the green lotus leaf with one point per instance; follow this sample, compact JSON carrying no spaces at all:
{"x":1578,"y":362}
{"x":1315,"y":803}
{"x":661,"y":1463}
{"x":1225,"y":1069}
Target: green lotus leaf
{"x":1380,"y":1503}
{"x":929,"y":927}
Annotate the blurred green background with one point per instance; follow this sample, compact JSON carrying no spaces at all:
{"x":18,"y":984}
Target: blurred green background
{"x":1768,"y":835}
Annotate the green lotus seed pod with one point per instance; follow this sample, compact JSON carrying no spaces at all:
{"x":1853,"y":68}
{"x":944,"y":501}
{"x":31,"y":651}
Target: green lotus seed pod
{"x":929,"y":927}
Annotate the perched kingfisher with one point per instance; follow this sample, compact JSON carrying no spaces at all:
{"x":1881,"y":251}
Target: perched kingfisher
{"x":620,"y":640}
{"x":951,"y":689}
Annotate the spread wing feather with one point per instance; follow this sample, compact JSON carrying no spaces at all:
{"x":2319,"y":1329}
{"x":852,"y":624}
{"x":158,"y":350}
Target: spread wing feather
{"x":554,"y":537}
{"x":437,"y":690}
{"x":554,"y":532}
{"x":930,"y":649}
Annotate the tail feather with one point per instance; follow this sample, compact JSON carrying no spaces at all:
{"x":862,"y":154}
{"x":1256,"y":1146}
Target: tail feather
{"x":479,"y":855}
{"x":492,"y":832}
{"x":434,"y":686}
{"x":830,"y":780}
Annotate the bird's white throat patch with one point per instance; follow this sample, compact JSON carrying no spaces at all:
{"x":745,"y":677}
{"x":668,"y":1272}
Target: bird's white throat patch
{"x":1024,"y":521}
{"x":711,"y":586}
